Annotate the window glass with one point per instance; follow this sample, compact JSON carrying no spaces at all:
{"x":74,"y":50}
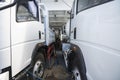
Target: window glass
{"x":2,"y":0}
{"x":26,"y":11}
{"x":103,"y":1}
{"x":82,"y":4}
{"x":94,"y":2}
{"x":85,"y":4}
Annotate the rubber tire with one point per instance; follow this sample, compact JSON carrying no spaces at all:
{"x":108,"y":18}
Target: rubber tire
{"x":38,"y":57}
{"x":76,"y":73}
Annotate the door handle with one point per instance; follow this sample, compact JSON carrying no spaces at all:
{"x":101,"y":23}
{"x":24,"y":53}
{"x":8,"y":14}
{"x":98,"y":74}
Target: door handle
{"x":39,"y":34}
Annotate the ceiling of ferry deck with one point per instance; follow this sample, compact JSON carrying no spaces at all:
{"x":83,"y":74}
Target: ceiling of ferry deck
{"x":58,"y":11}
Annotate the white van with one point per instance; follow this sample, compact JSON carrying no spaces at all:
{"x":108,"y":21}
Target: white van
{"x":94,"y":37}
{"x":22,"y":37}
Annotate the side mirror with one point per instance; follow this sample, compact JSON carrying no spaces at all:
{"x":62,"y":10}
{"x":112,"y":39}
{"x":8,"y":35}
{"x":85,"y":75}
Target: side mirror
{"x":71,"y":14}
{"x":9,"y":5}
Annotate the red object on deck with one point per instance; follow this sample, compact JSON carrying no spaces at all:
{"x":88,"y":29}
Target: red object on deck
{"x":49,"y":51}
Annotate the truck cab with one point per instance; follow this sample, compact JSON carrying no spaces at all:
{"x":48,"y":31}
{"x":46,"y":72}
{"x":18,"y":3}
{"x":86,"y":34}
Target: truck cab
{"x":94,"y":29}
{"x":21,"y":29}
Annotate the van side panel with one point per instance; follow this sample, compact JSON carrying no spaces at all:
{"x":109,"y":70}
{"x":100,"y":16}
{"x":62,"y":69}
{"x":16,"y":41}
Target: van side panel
{"x":97,"y":35}
{"x":4,"y":38}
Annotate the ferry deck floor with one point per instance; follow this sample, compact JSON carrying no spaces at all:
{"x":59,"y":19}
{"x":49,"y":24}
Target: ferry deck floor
{"x":57,"y":71}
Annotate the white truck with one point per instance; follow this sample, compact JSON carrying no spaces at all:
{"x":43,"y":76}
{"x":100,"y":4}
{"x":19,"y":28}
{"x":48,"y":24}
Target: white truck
{"x":94,"y":49}
{"x":65,"y":32}
{"x":22,"y":39}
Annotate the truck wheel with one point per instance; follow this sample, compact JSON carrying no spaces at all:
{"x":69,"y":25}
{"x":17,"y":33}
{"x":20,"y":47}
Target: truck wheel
{"x":38,"y":67}
{"x":76,"y":74}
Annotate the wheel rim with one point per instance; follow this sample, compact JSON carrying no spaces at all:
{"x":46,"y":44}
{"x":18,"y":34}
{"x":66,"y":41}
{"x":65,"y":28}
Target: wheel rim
{"x":76,"y":74}
{"x":38,"y":69}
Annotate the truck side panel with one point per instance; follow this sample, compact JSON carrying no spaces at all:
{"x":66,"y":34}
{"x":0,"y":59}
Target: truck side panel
{"x":97,"y":34}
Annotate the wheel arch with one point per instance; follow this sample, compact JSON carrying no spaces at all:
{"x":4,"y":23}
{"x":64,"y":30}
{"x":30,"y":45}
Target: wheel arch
{"x":77,"y":59}
{"x":39,"y":48}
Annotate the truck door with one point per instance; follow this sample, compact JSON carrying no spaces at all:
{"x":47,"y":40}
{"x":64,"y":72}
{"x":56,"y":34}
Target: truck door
{"x":4,"y":35}
{"x":26,"y":32}
{"x":72,"y":26}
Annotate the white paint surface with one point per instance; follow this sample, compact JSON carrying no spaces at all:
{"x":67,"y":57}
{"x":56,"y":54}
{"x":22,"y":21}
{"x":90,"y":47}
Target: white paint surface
{"x":4,"y":76}
{"x":98,"y":30}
